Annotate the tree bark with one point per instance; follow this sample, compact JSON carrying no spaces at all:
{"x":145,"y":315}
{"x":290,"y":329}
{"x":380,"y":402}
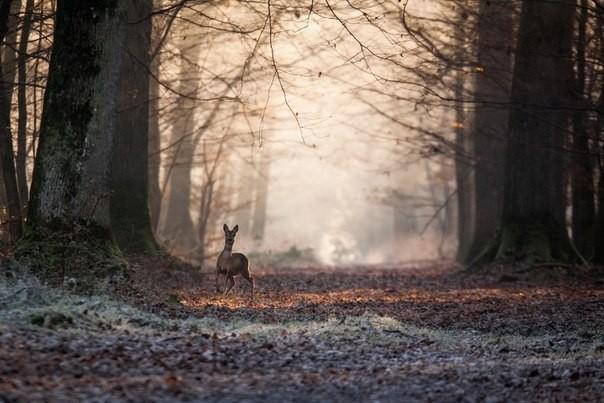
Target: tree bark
{"x":533,"y":224}
{"x":154,"y":145}
{"x":21,"y":158}
{"x":599,"y":128}
{"x":130,"y":219}
{"x":492,"y":89}
{"x":68,"y":230}
{"x":582,"y":172}
{"x":464,"y":175}
{"x":7,"y":74}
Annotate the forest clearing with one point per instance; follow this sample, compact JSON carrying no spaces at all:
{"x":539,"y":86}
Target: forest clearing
{"x":376,"y":334}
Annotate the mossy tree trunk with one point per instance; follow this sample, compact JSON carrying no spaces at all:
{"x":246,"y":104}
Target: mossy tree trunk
{"x":533,"y":226}
{"x":68,"y":231}
{"x":130,"y":219}
{"x":489,"y":129}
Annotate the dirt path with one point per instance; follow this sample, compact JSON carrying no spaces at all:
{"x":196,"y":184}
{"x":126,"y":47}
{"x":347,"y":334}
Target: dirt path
{"x":352,"y":334}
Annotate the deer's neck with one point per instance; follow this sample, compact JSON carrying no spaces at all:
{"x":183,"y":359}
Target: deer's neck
{"x":228,"y":249}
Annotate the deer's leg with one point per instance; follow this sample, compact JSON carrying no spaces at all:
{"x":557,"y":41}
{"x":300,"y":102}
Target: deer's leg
{"x":229,"y":285}
{"x":226,"y":282}
{"x":217,"y":277}
{"x":250,"y":279}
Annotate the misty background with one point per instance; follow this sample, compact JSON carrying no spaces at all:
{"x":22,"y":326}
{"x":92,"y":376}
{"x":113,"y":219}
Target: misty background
{"x":314,"y":154}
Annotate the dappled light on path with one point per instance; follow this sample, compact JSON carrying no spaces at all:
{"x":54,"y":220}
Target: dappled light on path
{"x":390,"y":334}
{"x":432,"y":296}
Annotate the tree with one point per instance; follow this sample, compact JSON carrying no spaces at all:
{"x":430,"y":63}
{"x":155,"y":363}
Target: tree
{"x":491,"y":91}
{"x":464,"y":175}
{"x":21,"y":157}
{"x":177,"y":224}
{"x":130,"y":220}
{"x":261,"y":188}
{"x":68,"y":230}
{"x":599,"y":129}
{"x":533,"y":226}
{"x":154,"y":144}
{"x":7,"y":73}
{"x":582,"y":169}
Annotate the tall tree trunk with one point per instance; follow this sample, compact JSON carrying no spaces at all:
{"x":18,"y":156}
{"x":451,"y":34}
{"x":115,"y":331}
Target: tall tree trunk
{"x":261,"y":184}
{"x":68,"y":229}
{"x":130,"y":218}
{"x":244,"y":190}
{"x":492,"y":88}
{"x":154,"y":145}
{"x":464,"y":176}
{"x":8,"y":26}
{"x":533,"y":224}
{"x":599,"y":129}
{"x":176,"y":224}
{"x":583,"y":196}
{"x":205,"y":208}
{"x":599,"y":226}
{"x":21,"y":158}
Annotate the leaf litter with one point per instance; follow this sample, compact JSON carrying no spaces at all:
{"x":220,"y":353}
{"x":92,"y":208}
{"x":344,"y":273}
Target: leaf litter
{"x":379,"y":334}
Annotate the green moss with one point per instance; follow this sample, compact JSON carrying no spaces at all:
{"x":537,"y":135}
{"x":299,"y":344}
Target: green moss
{"x":538,"y":244}
{"x":137,"y":241}
{"x":82,"y":252}
{"x":538,"y":240}
{"x":507,"y":242}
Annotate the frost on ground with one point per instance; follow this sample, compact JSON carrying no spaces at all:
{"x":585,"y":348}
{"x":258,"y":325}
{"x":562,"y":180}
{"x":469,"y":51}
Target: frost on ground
{"x":339,"y":334}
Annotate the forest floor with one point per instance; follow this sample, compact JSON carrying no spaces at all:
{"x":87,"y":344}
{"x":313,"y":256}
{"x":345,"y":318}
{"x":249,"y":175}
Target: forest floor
{"x":376,"y":334}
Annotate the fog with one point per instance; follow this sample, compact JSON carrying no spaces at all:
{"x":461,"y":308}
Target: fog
{"x":299,"y":117}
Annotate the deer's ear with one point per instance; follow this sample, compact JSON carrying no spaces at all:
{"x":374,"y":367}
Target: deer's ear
{"x":236,"y":228}
{"x":225,"y":228}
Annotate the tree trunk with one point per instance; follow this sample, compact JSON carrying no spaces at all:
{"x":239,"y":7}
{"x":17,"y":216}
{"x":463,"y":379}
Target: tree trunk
{"x":492,"y":88}
{"x":244,"y":190}
{"x":261,"y":183}
{"x":599,"y":226}
{"x":21,"y":159}
{"x":68,"y":230}
{"x":154,"y":145}
{"x":176,"y":224}
{"x":130,"y":220}
{"x":583,"y":196}
{"x":8,"y":26}
{"x":205,"y":208}
{"x":599,"y":128}
{"x":533,"y":224}
{"x":464,"y":176}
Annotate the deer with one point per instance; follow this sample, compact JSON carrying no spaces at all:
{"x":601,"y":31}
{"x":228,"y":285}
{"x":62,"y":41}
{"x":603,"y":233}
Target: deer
{"x":232,"y":264}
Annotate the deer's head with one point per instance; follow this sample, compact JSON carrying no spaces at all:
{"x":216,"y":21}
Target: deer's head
{"x":229,"y":235}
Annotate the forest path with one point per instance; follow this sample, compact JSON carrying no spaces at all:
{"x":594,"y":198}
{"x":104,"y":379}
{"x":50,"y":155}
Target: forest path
{"x":339,"y":334}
